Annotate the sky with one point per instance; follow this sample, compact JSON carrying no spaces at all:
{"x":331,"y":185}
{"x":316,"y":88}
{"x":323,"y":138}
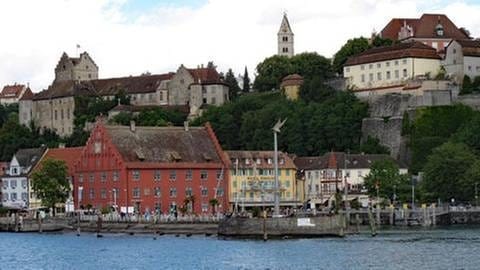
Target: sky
{"x":129,"y":37}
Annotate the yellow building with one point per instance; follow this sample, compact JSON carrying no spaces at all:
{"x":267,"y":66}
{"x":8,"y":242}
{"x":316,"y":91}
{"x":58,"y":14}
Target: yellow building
{"x":290,"y":86}
{"x":252,"y":180}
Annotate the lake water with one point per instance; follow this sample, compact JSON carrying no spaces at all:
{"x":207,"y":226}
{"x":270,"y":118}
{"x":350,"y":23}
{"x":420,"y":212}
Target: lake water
{"x":457,"y":248}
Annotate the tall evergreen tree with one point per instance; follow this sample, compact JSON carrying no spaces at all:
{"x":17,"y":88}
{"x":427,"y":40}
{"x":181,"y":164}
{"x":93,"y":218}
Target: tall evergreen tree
{"x":232,"y":84}
{"x":246,"y":81}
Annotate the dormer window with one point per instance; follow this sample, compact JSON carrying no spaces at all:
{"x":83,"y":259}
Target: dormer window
{"x":259,"y":161}
{"x":439,"y":30}
{"x":247,"y":161}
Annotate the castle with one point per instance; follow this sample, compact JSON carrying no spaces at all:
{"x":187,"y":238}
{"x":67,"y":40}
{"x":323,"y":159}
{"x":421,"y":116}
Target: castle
{"x":54,"y":107}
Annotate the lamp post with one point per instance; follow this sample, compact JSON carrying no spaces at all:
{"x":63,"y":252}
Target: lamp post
{"x":476,"y":194}
{"x":276,"y":129}
{"x":413,"y":192}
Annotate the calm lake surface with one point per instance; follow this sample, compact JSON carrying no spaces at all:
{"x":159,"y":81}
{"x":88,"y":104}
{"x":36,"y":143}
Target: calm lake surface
{"x":455,"y":248}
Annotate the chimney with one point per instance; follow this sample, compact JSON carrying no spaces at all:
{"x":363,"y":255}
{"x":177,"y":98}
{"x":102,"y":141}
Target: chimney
{"x":132,"y":126}
{"x":185,"y":125}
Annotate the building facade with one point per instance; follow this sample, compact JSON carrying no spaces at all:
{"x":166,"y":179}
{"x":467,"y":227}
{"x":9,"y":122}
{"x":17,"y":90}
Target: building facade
{"x":82,"y":68}
{"x":391,"y":65}
{"x":15,"y":183}
{"x":462,"y":58}
{"x":291,"y":85}
{"x":285,"y":39}
{"x":252,"y":180}
{"x":324,"y":175}
{"x":143,"y":169}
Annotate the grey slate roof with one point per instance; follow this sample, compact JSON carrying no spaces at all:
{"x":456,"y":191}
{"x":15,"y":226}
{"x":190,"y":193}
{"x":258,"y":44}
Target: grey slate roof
{"x":164,"y":144}
{"x":28,"y":157}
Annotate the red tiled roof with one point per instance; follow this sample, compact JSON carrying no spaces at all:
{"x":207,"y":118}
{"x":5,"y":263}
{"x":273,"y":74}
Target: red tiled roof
{"x":69,"y":155}
{"x":205,"y":75}
{"x":293,"y":79}
{"x":28,"y":95}
{"x":424,"y":27}
{"x":12,"y":91}
{"x":401,"y":50}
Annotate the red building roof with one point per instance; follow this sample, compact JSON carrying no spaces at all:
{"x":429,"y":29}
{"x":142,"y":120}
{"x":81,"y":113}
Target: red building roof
{"x":470,"y":47}
{"x":28,"y":95}
{"x":205,"y":75}
{"x":70,"y":155}
{"x":424,"y":27}
{"x":12,"y":91}
{"x":397,"y":51}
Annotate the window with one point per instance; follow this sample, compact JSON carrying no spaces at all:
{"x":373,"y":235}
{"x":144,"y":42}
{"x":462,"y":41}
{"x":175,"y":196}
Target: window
{"x":388,"y":75}
{"x":379,"y":76}
{"x":219,"y":175}
{"x":92,"y":178}
{"x":251,"y":195}
{"x":55,"y":114}
{"x":103,"y":177}
{"x":285,"y":39}
{"x":13,"y":197}
{"x":247,"y":161}
{"x":397,"y":74}
{"x":347,"y":69}
{"x":204,"y":207}
{"x":156,"y":175}
{"x":370,"y":77}
{"x":379,"y":65}
{"x":115,"y":175}
{"x":404,"y":72}
{"x":157,"y":192}
{"x":363,"y":77}
{"x":287,"y":183}
{"x":387,"y":64}
{"x":214,"y":100}
{"x":469,"y":68}
{"x":370,"y":66}
{"x":161,"y":95}
{"x":287,"y":172}
{"x":173,"y":175}
{"x":396,"y":62}
{"x":269,"y":161}
{"x":454,"y":61}
{"x":91,"y":193}
{"x":188,"y":191}
{"x":285,"y":50}
{"x":103,"y":193}
{"x":61,"y":114}
{"x":136,"y":175}
{"x":204,"y":192}
{"x":5,"y":184}
{"x":234,"y":184}
{"x":454,"y":51}
{"x":362,"y":67}
{"x":359,"y":173}
{"x":189,"y":175}
{"x":203,"y":175}
{"x":219,"y":192}
{"x":258,"y":161}
{"x":136,"y":192}
{"x":173,"y":192}
{"x":24,"y":196}
{"x":404,"y":61}
{"x":24,"y":183}
{"x":13,"y":184}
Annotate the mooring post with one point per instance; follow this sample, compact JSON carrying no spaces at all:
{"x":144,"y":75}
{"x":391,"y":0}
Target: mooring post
{"x":434,"y":215}
{"x":392,"y":211}
{"x":372,"y":222}
{"x":357,"y":219}
{"x":265,"y":235}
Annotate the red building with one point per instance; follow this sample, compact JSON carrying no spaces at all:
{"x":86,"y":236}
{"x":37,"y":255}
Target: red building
{"x":152,"y":169}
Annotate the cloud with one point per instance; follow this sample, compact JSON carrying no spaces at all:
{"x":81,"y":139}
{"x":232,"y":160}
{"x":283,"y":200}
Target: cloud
{"x":232,"y":33}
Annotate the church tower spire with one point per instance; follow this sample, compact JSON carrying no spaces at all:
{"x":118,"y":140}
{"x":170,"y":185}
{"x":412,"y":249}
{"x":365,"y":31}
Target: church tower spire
{"x":285,"y":38}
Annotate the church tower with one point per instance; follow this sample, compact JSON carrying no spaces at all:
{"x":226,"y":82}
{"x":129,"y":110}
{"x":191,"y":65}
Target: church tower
{"x":285,"y":38}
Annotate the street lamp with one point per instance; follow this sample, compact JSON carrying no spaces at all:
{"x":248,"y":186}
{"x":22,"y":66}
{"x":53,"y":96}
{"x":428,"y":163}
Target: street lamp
{"x":276,"y":129}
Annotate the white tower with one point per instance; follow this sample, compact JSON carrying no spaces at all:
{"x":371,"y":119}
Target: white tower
{"x":285,"y":38}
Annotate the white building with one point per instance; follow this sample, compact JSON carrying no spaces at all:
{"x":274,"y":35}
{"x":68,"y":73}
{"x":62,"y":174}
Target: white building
{"x":462,"y":58}
{"x":323,"y":175}
{"x":13,"y":93}
{"x":285,"y":38}
{"x":15,"y":183}
{"x":391,"y":65}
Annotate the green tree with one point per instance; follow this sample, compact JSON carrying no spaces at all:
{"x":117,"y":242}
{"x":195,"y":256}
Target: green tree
{"x":246,"y":81}
{"x":445,"y":173}
{"x":386,"y":175}
{"x":467,"y":87}
{"x":373,"y":146}
{"x":213,"y":203}
{"x":50,"y":183}
{"x":314,"y":89}
{"x":352,"y":47}
{"x":232,"y":83}
{"x":469,"y":134}
{"x":432,"y":127}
